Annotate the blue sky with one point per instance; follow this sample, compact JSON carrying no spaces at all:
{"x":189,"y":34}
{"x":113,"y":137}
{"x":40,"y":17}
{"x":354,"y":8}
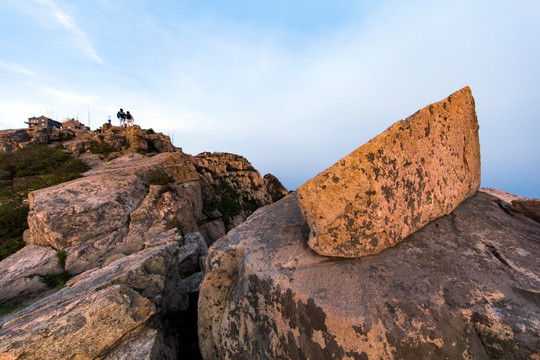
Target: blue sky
{"x":291,"y":85}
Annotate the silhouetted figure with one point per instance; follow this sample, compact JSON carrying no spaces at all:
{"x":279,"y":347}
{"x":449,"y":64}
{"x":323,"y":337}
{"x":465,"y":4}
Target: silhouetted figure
{"x":129,"y":119}
{"x":121,"y":115}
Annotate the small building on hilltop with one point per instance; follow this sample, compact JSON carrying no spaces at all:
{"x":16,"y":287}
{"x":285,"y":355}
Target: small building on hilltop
{"x":42,"y":121}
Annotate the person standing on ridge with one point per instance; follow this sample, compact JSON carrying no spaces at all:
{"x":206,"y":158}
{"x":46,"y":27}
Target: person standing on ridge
{"x":129,"y":119}
{"x":121,"y":115}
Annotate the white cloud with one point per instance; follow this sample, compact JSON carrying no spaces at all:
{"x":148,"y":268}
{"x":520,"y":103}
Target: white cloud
{"x":68,"y":22}
{"x":16,"y":68}
{"x":71,"y":97}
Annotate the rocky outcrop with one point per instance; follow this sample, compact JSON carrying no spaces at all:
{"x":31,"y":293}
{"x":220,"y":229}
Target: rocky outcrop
{"x":115,"y":209}
{"x":464,"y":286}
{"x":108,"y":141}
{"x":121,"y":205}
{"x":231,"y":185}
{"x":126,"y":310}
{"x":419,"y":169}
{"x":11,"y":140}
{"x":528,"y":207}
{"x":275,"y":188}
{"x":135,"y":228}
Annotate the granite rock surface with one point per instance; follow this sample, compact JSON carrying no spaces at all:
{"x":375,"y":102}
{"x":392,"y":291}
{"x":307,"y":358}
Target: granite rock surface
{"x":132,"y":308}
{"x":419,"y":169}
{"x":465,"y":286}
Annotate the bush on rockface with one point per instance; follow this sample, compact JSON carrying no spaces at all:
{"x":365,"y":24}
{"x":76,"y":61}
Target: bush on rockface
{"x":160,"y":177}
{"x":27,"y":170}
{"x":42,"y":160}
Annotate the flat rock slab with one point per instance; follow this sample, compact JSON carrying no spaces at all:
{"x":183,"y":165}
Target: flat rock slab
{"x":98,"y":311}
{"x":419,"y":169}
{"x":466,"y":285}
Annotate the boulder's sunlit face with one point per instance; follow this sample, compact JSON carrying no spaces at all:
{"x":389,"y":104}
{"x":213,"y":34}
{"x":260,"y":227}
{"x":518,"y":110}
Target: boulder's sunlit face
{"x":418,"y":170}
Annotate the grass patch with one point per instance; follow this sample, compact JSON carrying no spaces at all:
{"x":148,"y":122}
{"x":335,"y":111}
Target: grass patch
{"x":56,"y":281}
{"x":10,"y":246}
{"x":176,"y":224}
{"x":229,"y":206}
{"x":61,"y":256}
{"x":29,"y":169}
{"x":40,"y":160}
{"x":160,"y":177}
{"x":100,"y":147}
{"x":251,"y":205}
{"x":7,"y":307}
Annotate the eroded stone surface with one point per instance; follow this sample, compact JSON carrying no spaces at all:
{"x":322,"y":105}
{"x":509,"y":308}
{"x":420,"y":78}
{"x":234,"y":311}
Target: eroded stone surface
{"x":20,"y":272}
{"x":114,"y":312}
{"x":275,"y":188}
{"x":419,"y":169}
{"x":464,"y":286}
{"x":528,"y":207}
{"x":232,"y":185}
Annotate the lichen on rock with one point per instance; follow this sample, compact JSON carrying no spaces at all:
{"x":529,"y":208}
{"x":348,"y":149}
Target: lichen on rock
{"x":419,"y":169}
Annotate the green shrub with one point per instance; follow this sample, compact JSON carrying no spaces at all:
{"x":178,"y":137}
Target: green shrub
{"x":160,"y":177}
{"x":61,"y":256}
{"x":7,"y":307}
{"x":10,"y":246}
{"x":229,"y":206}
{"x":176,"y":224}
{"x":251,"y":205}
{"x":98,"y":147}
{"x":40,"y":160}
{"x":12,"y":220}
{"x":33,"y":168}
{"x":56,"y":281}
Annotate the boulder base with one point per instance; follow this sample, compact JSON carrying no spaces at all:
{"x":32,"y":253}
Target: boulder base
{"x":465,"y":286}
{"x":419,"y":169}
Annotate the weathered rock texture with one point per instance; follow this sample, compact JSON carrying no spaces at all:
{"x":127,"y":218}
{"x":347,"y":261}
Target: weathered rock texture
{"x":231,"y":185}
{"x":126,"y":310}
{"x":419,"y":169}
{"x":21,"y":275}
{"x":529,"y":207}
{"x":466,"y":286}
{"x":135,"y":228}
{"x":109,"y":141}
{"x":275,"y":188}
{"x":115,"y":209}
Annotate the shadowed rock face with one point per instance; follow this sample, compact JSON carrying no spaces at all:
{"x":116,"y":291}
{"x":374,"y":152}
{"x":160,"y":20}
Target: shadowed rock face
{"x":419,"y":169}
{"x":466,"y":285}
{"x":121,"y":311}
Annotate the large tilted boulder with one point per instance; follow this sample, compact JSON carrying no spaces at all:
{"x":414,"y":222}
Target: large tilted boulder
{"x":129,"y":309}
{"x":466,"y":286}
{"x":419,"y":169}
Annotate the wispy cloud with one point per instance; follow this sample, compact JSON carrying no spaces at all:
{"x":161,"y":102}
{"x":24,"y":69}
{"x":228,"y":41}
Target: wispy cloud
{"x":16,"y":68}
{"x":70,"y":97}
{"x":68,"y":22}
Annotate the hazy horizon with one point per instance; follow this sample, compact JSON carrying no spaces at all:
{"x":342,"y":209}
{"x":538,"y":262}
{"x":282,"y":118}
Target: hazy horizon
{"x":292,"y":86}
